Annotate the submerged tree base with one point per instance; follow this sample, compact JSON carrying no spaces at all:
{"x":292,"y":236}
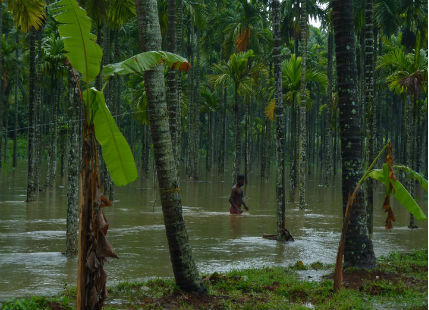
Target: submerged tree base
{"x":398,"y":282}
{"x":283,"y":236}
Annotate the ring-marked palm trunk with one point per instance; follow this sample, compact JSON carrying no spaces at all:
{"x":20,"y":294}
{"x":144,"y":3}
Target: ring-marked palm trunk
{"x":358,"y":250}
{"x":184,"y":268}
{"x":369,"y":106}
{"x":302,"y":157}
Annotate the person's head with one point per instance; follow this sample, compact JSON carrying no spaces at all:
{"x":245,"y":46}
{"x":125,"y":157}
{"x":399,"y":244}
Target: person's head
{"x":240,"y":180}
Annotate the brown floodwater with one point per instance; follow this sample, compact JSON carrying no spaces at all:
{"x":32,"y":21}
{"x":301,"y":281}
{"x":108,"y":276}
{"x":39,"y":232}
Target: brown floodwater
{"x":32,"y":235}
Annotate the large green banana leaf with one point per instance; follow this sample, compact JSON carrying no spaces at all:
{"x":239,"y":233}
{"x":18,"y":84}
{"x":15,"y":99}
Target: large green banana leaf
{"x":405,"y":199}
{"x":80,"y":44}
{"x":398,"y":191}
{"x":145,"y":61}
{"x":414,"y":175}
{"x":116,"y":151}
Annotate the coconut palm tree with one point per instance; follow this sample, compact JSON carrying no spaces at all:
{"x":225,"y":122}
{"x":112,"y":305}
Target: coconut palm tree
{"x":184,"y":268}
{"x":358,"y":250}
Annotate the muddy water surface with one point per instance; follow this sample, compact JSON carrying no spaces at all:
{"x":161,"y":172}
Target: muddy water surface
{"x":32,"y":236}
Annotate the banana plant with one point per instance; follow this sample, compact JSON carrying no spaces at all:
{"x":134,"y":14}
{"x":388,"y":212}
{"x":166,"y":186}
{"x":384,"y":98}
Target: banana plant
{"x":387,"y":177}
{"x":84,"y":56}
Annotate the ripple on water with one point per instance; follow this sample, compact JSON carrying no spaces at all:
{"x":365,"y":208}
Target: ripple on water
{"x":35,"y":235}
{"x":34,"y":258}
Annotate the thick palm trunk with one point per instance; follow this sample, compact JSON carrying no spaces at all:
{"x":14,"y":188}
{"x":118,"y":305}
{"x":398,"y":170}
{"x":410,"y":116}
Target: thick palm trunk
{"x":369,"y":107}
{"x":302,"y":158}
{"x":184,"y":268}
{"x":327,"y":155}
{"x":72,"y":170}
{"x":31,"y":187}
{"x":358,"y":250}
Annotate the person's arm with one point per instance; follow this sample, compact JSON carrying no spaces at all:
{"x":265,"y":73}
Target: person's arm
{"x":245,"y":206}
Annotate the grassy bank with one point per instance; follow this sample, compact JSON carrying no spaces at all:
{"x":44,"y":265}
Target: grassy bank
{"x":399,"y":282}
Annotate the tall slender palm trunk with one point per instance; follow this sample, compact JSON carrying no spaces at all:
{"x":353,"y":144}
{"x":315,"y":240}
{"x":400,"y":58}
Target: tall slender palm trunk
{"x":358,"y":250}
{"x":184,"y":268}
{"x":279,"y":118}
{"x":31,"y":186}
{"x":237,"y":133}
{"x":293,"y":172}
{"x":15,"y":125}
{"x":172,"y":77}
{"x":72,"y":223}
{"x":1,"y":88}
{"x":302,"y":157}
{"x":179,"y":39}
{"x":38,"y":150}
{"x":327,"y":155}
{"x":369,"y":107}
{"x":222,"y":132}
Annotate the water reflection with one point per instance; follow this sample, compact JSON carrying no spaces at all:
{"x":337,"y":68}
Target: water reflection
{"x":32,"y":236}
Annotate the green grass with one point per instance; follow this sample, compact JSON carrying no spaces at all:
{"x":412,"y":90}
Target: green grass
{"x":402,"y":284}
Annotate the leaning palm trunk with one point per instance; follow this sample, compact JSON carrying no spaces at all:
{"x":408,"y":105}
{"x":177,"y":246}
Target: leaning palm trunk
{"x":358,"y":250}
{"x":72,"y":170}
{"x":302,"y":157}
{"x":369,"y":106}
{"x":184,"y":268}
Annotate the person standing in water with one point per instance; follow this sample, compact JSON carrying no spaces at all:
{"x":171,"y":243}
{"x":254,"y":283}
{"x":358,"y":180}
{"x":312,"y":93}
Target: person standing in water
{"x":236,"y":198}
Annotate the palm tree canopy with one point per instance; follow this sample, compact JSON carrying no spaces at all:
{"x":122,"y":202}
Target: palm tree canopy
{"x":408,"y":72}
